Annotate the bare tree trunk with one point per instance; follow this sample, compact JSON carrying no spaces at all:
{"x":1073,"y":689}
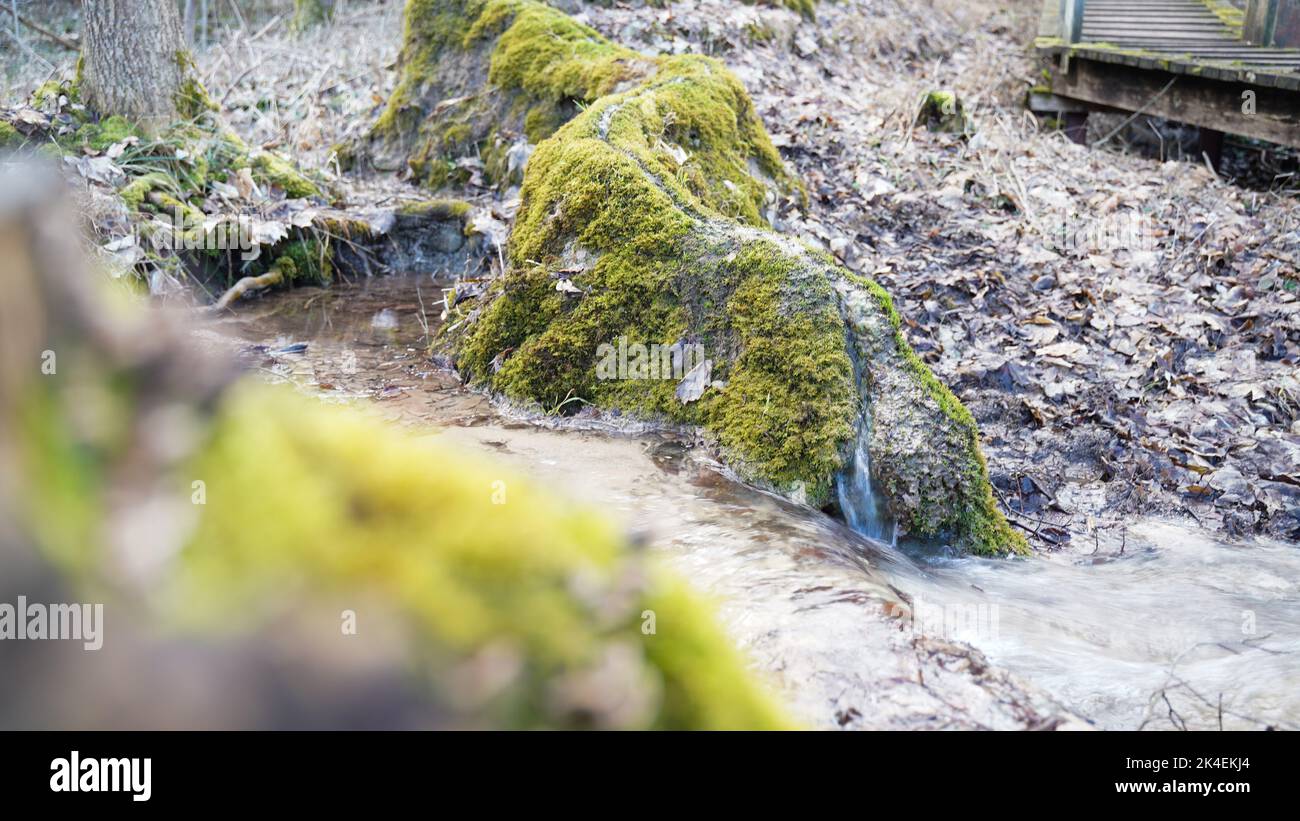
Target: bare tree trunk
{"x":135,"y":59}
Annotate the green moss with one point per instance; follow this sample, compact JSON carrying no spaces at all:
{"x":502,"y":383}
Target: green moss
{"x":9,"y":136}
{"x":942,"y":111}
{"x":545,"y":63}
{"x":307,"y":259}
{"x":787,"y":408}
{"x":191,"y":215}
{"x":105,"y":133}
{"x":165,"y":192}
{"x":47,"y":94}
{"x":135,"y":191}
{"x":274,"y":170}
{"x":548,"y":55}
{"x":440,"y":209}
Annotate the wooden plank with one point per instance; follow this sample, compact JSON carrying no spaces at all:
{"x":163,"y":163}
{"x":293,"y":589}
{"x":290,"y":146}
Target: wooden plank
{"x":1190,"y":99}
{"x":1188,"y":65}
{"x":1260,"y":17}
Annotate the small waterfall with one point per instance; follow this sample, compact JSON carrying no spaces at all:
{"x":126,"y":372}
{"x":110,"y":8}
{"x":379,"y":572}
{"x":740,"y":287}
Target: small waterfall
{"x":864,"y":509}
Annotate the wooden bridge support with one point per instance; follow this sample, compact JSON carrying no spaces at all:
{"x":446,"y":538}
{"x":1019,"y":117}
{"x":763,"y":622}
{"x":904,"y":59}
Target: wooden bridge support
{"x":1209,"y":143}
{"x":1076,"y":126}
{"x":1261,"y":112}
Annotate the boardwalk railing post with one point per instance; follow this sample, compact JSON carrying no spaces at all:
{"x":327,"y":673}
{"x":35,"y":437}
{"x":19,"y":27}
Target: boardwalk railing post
{"x":1273,"y":23}
{"x":1260,"y":15}
{"x":1071,"y":20}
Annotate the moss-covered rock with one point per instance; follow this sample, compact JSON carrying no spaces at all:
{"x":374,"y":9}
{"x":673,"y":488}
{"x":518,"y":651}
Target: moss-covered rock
{"x":642,"y":224}
{"x":942,"y":111}
{"x":487,"y":79}
{"x":542,"y":67}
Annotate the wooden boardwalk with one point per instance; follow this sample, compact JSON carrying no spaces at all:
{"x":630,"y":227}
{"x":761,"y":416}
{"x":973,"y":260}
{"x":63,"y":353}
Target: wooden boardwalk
{"x":1187,"y":60}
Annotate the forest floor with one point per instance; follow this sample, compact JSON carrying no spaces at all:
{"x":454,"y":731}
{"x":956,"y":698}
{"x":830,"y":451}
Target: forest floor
{"x":1126,"y":331}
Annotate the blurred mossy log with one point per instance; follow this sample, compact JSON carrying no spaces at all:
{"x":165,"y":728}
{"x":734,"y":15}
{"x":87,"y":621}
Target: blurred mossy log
{"x":152,"y":473}
{"x":645,"y":217}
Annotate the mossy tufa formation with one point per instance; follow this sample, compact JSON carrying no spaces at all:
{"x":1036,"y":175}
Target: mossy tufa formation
{"x":643,"y":222}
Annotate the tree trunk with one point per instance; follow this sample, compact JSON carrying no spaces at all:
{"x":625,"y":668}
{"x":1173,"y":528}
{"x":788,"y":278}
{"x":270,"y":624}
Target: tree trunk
{"x":135,"y":59}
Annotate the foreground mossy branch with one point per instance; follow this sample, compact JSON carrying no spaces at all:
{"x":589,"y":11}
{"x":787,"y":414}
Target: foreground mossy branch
{"x":643,"y":219}
{"x":368,"y":514}
{"x":315,"y":502}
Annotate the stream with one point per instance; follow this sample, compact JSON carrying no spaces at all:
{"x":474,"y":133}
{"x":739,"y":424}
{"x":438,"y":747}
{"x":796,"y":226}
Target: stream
{"x":1162,"y":626}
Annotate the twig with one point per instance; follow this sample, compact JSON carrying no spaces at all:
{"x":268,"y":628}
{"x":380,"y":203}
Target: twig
{"x":63,"y":41}
{"x":235,"y":82}
{"x":26,"y":48}
{"x":1205,"y":155}
{"x":246,"y":285}
{"x":239,"y":15}
{"x":264,"y":29}
{"x":1137,"y":113}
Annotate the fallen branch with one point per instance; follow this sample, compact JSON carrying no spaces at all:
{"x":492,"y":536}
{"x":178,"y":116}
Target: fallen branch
{"x":247,"y":285}
{"x":26,"y":49}
{"x":44,"y":32}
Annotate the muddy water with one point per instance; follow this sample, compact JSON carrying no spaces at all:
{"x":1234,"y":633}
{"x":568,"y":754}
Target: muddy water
{"x":1160,"y":627}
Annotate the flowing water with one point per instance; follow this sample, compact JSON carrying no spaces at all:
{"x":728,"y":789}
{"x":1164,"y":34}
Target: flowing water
{"x":863,"y":508}
{"x":1162,"y":626}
